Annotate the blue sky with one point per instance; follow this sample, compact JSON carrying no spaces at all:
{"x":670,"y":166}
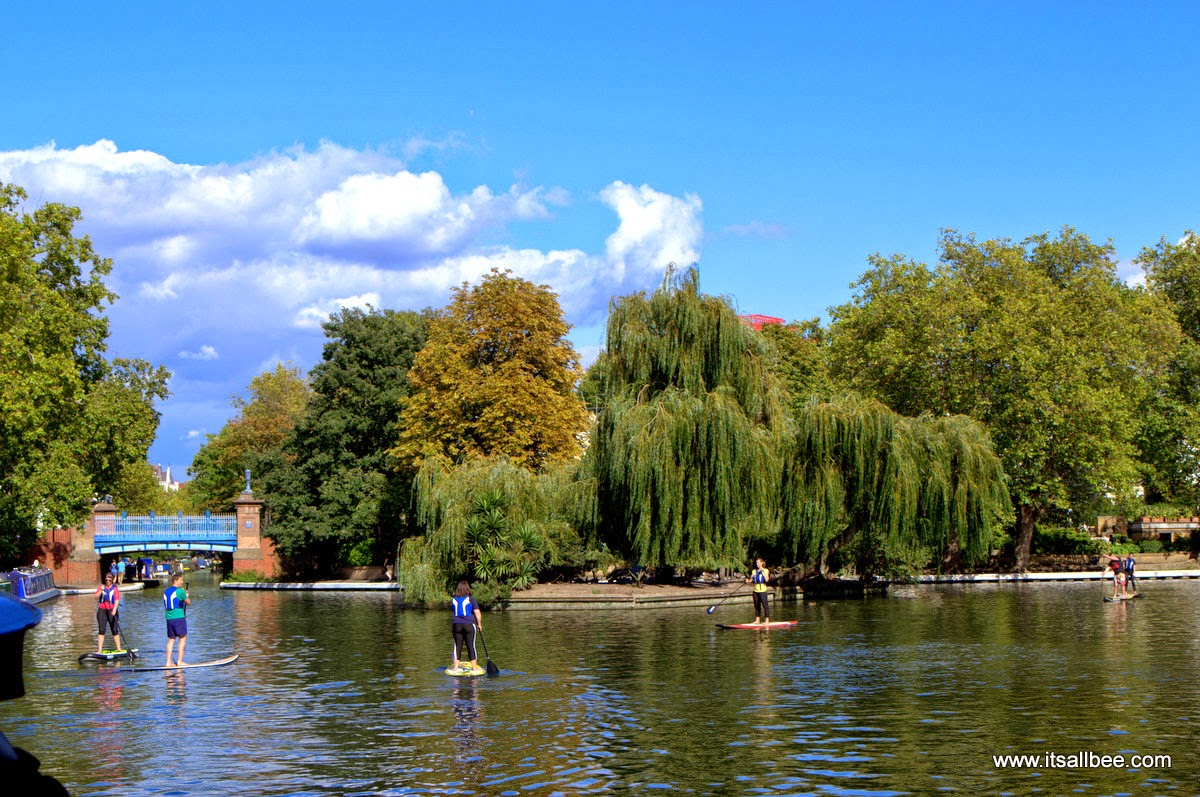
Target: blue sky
{"x":251,"y":167}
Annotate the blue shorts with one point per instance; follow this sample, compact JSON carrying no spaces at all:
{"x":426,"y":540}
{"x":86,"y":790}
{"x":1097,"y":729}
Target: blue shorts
{"x":177,"y":628}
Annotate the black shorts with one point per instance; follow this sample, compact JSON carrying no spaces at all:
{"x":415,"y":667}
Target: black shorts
{"x":106,"y":621}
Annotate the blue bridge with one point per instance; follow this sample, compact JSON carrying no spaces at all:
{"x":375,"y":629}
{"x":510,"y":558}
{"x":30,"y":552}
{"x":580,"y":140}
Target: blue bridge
{"x":127,"y":533}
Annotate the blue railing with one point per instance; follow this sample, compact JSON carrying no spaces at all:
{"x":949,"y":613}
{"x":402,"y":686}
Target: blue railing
{"x":166,"y":532}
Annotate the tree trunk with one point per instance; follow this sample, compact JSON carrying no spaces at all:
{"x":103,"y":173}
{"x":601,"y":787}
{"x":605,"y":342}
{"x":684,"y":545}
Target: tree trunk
{"x":1026,"y":518}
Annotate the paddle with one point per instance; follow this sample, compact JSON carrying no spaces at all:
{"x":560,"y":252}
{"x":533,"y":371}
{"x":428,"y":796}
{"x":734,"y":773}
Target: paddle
{"x":713,"y":608}
{"x":492,"y":669}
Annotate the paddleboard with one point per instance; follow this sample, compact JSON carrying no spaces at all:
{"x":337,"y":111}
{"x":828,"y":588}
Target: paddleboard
{"x":776,"y":624}
{"x":110,"y":655}
{"x":213,"y":663}
{"x":1119,"y":598}
{"x":461,"y":673}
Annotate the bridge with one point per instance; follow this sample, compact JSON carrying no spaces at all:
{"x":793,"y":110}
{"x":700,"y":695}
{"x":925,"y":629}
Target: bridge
{"x":78,"y":556}
{"x":127,"y":533}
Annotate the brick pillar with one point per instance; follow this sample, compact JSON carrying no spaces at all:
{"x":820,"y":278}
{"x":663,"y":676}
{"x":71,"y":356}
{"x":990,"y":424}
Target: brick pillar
{"x":71,"y":553}
{"x":254,"y":552}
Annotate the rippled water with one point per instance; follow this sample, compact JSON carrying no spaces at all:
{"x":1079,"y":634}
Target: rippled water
{"x":342,"y":693}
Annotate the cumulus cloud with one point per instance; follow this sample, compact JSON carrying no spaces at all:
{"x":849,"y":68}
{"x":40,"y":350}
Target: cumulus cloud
{"x":206,"y":353}
{"x":254,"y":256}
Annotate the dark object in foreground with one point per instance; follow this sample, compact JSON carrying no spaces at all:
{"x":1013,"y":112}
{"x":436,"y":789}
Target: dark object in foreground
{"x":19,"y":769}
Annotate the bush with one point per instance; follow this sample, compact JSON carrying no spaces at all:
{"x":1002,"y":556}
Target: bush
{"x":361,"y":554}
{"x":244,"y":577}
{"x":1150,"y":546}
{"x":1066,"y":541}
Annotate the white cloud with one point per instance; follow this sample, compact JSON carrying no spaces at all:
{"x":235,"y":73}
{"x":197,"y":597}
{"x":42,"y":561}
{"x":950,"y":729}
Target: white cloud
{"x":656,"y":229}
{"x":252,"y":257}
{"x":206,"y":353}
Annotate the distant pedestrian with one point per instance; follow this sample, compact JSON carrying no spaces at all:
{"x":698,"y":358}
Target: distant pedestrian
{"x":176,"y":601}
{"x":108,"y":606}
{"x":1130,"y":564}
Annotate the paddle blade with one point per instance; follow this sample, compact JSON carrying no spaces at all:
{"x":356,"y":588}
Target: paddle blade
{"x":492,"y":670}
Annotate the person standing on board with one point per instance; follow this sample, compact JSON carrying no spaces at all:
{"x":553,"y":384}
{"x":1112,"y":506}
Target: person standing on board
{"x":1120,"y":589}
{"x":1130,"y":564}
{"x":109,"y":597}
{"x":762,"y":597}
{"x":467,"y":618}
{"x":176,"y":601}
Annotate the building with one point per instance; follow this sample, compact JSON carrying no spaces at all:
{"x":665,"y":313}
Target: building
{"x":164,"y":479}
{"x":757,"y":322}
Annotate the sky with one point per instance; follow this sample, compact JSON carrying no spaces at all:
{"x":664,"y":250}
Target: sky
{"x":252,"y":167}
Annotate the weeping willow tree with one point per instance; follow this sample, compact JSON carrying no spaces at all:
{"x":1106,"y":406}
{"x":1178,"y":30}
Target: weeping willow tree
{"x":887,"y":494}
{"x":685,"y":450}
{"x":492,"y":522}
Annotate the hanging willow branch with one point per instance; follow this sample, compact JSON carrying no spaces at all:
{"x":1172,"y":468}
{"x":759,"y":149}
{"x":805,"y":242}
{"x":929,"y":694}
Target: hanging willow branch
{"x":686,"y":452}
{"x":895,"y":489}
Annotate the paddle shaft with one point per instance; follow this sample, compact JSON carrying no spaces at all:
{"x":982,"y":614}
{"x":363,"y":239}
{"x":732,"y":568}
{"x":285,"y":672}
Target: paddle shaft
{"x":492,"y":669}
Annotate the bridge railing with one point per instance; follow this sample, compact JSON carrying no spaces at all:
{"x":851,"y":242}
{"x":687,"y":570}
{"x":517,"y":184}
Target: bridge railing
{"x":177,"y":527}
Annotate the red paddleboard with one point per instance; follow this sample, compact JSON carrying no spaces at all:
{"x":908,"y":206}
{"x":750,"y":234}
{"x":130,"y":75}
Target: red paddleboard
{"x":778,"y":624}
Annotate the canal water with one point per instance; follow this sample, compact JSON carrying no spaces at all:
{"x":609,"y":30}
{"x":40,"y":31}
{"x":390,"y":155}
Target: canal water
{"x":343,"y":694}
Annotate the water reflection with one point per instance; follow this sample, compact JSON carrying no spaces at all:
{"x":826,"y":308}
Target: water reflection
{"x":344,"y":694}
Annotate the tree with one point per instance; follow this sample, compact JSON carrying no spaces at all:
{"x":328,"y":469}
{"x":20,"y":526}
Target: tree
{"x":252,"y":439}
{"x":800,"y":360}
{"x":70,"y":420}
{"x":497,"y":377}
{"x":1038,"y":340}
{"x":339,"y":498}
{"x":887,"y":493}
{"x":493,"y":522}
{"x":685,"y":452}
{"x":1168,"y":436}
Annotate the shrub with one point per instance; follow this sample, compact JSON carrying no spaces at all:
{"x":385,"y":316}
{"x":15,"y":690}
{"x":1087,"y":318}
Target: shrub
{"x":1066,"y":541}
{"x":244,"y":577}
{"x":1150,"y":546}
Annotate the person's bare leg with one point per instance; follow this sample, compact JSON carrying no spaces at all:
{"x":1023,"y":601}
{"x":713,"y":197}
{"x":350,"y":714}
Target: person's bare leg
{"x":170,"y":648}
{"x":182,"y":645}
{"x":100,"y":643}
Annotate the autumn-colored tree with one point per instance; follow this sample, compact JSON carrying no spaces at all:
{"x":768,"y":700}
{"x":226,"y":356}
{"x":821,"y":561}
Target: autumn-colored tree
{"x":252,"y":439}
{"x":496,"y":378}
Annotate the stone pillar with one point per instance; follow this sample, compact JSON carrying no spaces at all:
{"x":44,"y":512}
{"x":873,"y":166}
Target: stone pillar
{"x":254,"y":552}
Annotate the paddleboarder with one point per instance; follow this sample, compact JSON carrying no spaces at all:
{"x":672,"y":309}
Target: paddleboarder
{"x":1130,"y":564}
{"x":762,"y":597}
{"x":1120,"y":590}
{"x":176,"y":601}
{"x":467,"y":618}
{"x":108,"y":596}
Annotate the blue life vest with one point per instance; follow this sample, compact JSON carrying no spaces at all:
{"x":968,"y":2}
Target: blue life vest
{"x":171,"y":598}
{"x":108,"y":597}
{"x":464,"y":609}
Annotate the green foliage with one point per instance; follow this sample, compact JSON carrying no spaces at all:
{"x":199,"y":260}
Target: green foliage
{"x":70,"y":420}
{"x":1169,"y":417}
{"x":361,"y":554}
{"x":252,"y":439}
{"x":245,"y":577}
{"x":1151,"y":546}
{"x":685,"y":453}
{"x":1038,"y":340}
{"x":491,"y":522}
{"x":497,"y":377}
{"x":337,"y":489}
{"x":884,"y":493}
{"x":800,"y":360}
{"x":1051,"y":540}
